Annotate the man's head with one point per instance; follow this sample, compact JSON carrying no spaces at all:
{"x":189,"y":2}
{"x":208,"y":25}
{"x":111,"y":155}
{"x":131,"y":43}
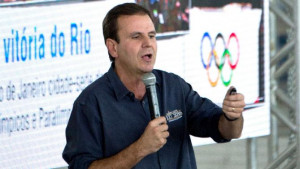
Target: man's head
{"x":110,"y":22}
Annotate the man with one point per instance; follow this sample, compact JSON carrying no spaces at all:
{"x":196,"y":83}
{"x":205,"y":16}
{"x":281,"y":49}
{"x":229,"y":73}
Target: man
{"x":110,"y":124}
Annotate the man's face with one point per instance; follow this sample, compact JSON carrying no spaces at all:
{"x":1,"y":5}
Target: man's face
{"x":136,"y":51}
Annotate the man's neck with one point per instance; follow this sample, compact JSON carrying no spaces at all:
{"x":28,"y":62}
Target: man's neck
{"x":133,"y":82}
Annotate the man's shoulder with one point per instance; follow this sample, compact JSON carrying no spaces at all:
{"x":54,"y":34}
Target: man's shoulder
{"x":101,"y":82}
{"x":94,"y":88}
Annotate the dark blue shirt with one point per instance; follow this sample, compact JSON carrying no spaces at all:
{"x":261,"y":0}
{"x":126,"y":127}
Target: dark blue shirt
{"x":106,"y":118}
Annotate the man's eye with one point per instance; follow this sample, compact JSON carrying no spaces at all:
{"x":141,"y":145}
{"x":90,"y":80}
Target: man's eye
{"x":152,"y":36}
{"x":135,"y":37}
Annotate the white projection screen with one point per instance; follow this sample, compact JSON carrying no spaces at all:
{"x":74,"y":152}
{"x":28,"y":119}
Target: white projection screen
{"x":50,"y":52}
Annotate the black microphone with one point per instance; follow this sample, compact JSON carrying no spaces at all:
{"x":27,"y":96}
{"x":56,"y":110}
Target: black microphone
{"x":149,"y":81}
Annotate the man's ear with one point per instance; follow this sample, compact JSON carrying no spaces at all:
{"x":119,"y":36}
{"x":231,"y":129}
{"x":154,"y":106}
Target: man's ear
{"x":112,"y":47}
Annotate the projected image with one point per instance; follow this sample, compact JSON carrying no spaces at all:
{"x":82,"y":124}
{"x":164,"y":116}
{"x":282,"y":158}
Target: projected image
{"x":169,"y":16}
{"x":219,"y":57}
{"x":222,"y":49}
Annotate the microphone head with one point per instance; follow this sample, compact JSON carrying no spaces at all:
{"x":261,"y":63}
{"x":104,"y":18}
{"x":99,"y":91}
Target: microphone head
{"x":149,"y":79}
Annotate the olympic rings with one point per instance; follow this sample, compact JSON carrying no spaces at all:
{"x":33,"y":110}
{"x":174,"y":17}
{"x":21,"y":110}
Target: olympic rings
{"x":213,"y":55}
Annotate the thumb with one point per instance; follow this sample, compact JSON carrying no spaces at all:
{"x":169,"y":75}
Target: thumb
{"x":231,"y":91}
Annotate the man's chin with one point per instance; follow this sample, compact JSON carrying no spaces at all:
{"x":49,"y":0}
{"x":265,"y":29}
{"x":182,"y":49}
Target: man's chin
{"x":147,"y":69}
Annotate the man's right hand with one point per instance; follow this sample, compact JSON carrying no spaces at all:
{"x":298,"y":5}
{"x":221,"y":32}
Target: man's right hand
{"x":154,"y":137}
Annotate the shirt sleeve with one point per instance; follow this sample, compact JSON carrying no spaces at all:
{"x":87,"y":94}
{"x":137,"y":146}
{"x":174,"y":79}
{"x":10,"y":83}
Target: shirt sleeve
{"x":83,"y":135}
{"x":203,"y":114}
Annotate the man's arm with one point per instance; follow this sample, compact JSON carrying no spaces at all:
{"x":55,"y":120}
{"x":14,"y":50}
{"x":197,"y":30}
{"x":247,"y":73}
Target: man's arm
{"x":153,"y":139}
{"x":231,"y":122}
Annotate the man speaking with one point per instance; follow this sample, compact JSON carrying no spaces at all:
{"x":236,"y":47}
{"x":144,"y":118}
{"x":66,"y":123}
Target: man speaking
{"x":111,"y":125}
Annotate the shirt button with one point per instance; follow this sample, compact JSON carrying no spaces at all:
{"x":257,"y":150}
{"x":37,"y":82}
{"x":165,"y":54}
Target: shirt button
{"x":131,"y":95}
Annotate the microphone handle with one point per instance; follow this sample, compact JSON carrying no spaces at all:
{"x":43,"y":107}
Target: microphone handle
{"x":153,"y":102}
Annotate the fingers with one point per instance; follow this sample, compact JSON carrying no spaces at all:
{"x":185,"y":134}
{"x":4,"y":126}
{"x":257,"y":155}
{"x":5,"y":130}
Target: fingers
{"x":233,"y":104}
{"x":236,"y":101}
{"x":155,"y":135}
{"x":158,"y":121}
{"x":160,"y":129}
{"x":233,"y":109}
{"x":233,"y":113}
{"x":235,"y":97}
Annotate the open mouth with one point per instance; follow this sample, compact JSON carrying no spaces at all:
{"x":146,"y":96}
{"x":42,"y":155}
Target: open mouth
{"x":147,"y":57}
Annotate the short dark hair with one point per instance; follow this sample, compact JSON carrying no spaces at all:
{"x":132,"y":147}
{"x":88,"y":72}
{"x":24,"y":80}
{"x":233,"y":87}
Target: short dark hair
{"x":110,"y":22}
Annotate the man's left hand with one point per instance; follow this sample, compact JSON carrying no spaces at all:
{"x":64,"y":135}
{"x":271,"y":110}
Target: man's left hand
{"x":233,"y":104}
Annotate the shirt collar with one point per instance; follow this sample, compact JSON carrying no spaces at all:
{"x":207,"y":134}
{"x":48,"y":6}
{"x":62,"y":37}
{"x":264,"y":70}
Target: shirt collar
{"x":117,"y":85}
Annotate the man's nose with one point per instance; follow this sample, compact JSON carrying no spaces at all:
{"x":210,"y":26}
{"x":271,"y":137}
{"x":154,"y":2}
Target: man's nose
{"x":147,"y":42}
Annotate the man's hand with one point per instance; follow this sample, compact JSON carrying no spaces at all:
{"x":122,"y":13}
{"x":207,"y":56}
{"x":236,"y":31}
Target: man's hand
{"x":233,"y":104}
{"x":231,"y":124}
{"x":154,"y":137}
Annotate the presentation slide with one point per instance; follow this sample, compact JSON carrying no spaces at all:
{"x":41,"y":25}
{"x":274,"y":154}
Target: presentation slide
{"x":49,"y":54}
{"x":221,"y":50}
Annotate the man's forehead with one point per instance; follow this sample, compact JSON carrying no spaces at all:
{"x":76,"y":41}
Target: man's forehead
{"x":137,"y":23}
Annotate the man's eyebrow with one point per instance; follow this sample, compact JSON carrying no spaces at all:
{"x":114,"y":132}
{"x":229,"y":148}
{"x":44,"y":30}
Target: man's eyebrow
{"x":152,"y":32}
{"x":139,"y":33}
{"x":135,"y":33}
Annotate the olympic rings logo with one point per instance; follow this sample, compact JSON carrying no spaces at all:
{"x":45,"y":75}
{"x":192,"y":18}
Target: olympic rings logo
{"x":219,"y":59}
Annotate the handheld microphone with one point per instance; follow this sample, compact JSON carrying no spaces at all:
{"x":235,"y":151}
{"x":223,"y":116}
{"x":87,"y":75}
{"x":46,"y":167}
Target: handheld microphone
{"x":149,"y":81}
